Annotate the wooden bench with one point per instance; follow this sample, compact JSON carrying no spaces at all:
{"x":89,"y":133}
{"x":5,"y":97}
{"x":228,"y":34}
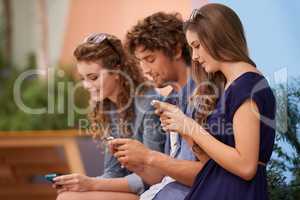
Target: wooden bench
{"x":25,"y":157}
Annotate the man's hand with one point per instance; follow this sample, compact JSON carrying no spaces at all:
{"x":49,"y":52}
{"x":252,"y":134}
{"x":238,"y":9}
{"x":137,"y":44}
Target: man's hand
{"x":131,"y":152}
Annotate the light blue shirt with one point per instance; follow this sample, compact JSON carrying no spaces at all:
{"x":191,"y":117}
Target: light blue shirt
{"x":174,"y":190}
{"x":146,"y":128}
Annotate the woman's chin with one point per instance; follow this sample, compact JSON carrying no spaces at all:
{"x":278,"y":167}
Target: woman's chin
{"x":209,"y":70}
{"x":97,"y":99}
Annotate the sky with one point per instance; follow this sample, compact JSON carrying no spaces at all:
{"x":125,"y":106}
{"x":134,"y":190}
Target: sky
{"x":272,"y":29}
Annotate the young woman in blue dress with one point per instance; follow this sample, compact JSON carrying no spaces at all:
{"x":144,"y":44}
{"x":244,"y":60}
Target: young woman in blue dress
{"x":234,"y":108}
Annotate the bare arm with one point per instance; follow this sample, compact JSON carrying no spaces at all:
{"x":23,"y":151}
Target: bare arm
{"x":160,"y":165}
{"x":82,"y":183}
{"x":110,"y":184}
{"x":150,"y":175}
{"x":132,"y":152}
{"x":183,"y":171}
{"x":243,"y":158}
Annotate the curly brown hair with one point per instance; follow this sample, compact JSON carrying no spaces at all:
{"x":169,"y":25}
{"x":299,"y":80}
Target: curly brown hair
{"x":111,"y":54}
{"x":159,"y":31}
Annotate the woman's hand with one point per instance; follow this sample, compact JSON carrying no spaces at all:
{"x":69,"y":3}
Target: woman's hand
{"x":173,"y":119}
{"x":197,"y":150}
{"x":73,"y":182}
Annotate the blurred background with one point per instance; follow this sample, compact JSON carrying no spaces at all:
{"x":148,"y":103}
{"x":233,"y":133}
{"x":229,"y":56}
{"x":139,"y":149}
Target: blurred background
{"x":40,"y":112}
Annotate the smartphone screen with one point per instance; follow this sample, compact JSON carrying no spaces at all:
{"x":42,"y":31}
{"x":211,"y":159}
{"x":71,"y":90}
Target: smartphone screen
{"x":51,"y":176}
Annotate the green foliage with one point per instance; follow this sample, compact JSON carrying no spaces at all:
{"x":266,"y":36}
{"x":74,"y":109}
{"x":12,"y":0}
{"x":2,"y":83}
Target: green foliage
{"x":35,"y":93}
{"x":288,"y":120}
{"x":278,"y":188}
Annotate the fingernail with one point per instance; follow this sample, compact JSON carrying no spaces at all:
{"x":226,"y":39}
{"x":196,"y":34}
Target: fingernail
{"x":153,"y":102}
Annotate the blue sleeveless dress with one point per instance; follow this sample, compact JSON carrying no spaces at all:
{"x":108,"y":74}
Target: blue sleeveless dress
{"x":215,"y":183}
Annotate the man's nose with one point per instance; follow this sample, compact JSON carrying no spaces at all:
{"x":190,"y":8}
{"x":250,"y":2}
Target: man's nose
{"x":146,"y":69}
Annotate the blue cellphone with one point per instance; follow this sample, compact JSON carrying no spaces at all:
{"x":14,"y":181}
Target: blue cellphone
{"x":51,"y":176}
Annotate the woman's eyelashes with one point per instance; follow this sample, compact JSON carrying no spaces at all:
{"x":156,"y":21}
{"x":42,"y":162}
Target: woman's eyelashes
{"x":92,"y":77}
{"x":197,"y":46}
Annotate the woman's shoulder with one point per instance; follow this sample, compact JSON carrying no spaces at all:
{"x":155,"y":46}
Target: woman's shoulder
{"x":253,"y":86}
{"x":248,"y":82}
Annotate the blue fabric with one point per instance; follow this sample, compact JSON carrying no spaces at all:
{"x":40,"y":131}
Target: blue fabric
{"x":173,"y":191}
{"x":216,"y":183}
{"x":180,"y":99}
{"x":146,"y":128}
{"x":176,"y":190}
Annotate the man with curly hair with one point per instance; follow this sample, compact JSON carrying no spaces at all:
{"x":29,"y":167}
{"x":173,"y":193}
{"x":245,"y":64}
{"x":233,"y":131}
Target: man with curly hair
{"x":159,"y":43}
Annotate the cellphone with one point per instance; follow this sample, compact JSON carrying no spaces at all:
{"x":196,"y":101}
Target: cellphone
{"x":109,"y":138}
{"x":51,"y":176}
{"x":153,"y":102}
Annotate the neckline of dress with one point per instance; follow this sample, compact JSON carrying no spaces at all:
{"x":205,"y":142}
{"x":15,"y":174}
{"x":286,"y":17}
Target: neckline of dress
{"x":239,"y":77}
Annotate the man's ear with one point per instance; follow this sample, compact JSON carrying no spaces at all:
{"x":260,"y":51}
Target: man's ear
{"x":117,"y":77}
{"x":178,"y":52}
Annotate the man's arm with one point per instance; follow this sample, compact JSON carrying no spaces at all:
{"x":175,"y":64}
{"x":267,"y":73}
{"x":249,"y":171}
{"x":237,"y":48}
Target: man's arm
{"x":132,"y":152}
{"x":150,"y":175}
{"x":183,"y":171}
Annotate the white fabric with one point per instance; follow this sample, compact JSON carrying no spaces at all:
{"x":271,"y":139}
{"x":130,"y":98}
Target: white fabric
{"x":174,"y":143}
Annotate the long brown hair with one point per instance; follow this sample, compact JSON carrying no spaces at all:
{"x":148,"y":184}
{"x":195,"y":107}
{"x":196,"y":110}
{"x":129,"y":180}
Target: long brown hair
{"x":110,"y":53}
{"x":222,"y":35}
